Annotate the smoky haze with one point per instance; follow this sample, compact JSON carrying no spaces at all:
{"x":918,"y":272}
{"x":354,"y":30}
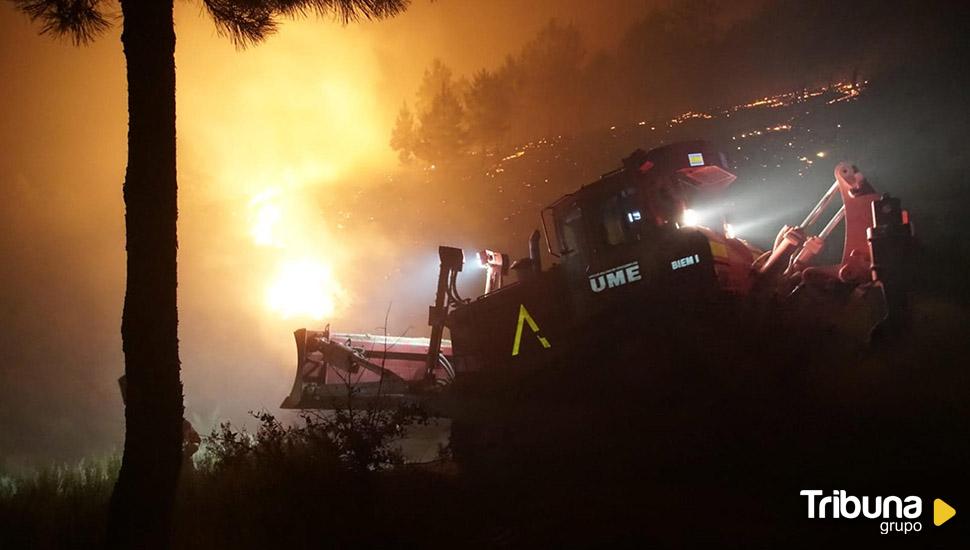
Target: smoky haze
{"x":310,"y":107}
{"x":285,"y":169}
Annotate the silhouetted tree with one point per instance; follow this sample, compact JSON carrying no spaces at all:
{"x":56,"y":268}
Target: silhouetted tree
{"x":547,"y":78}
{"x":141,"y":505}
{"x":436,"y":77}
{"x":404,"y":135}
{"x":442,"y":132}
{"x":488,"y":105}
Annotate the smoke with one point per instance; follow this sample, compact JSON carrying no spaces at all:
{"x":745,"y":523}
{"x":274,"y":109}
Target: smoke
{"x":283,"y":161}
{"x":284,"y":120}
{"x":265,"y":134}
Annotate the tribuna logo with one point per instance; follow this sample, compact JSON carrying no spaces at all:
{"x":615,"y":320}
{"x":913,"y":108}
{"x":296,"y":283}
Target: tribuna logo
{"x":841,"y":505}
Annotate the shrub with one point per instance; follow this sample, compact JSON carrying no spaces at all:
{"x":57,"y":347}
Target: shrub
{"x":360,"y":440}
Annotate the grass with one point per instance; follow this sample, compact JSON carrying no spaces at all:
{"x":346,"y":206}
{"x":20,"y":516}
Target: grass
{"x":58,"y":506}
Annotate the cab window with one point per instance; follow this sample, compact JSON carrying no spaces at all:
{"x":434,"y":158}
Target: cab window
{"x":620,"y":218}
{"x":571,"y":229}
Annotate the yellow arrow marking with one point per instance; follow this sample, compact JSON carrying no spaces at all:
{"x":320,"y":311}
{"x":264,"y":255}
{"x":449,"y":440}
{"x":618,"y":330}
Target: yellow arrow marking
{"x":524,"y":317}
{"x":942,"y":512}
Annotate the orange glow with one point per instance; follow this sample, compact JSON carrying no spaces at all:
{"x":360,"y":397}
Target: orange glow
{"x":265,"y":132}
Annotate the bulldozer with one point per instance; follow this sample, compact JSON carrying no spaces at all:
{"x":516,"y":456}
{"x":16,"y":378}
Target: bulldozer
{"x":626,"y":255}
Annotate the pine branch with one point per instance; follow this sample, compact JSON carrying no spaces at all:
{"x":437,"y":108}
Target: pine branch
{"x":346,"y":11}
{"x":248,"y":22}
{"x":244,"y":22}
{"x":81,"y":20}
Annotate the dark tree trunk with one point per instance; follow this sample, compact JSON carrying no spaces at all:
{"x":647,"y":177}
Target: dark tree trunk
{"x":143,"y":499}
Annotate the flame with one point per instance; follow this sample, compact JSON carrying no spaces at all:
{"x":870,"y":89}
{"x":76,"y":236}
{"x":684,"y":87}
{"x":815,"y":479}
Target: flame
{"x":303,"y":287}
{"x":266,"y":218}
{"x":303,"y":284}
